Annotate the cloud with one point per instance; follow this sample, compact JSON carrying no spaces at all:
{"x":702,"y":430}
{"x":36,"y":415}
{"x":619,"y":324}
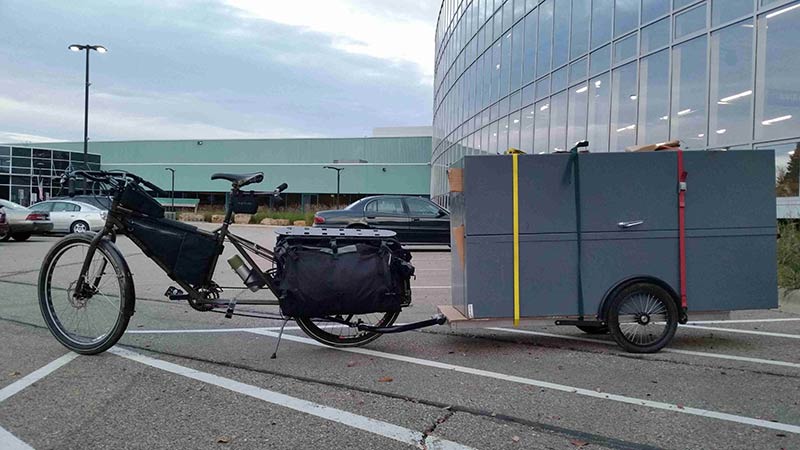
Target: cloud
{"x":10,"y":137}
{"x":379,"y":32}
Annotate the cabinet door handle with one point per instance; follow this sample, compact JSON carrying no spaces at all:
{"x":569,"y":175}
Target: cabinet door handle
{"x":630,"y":223}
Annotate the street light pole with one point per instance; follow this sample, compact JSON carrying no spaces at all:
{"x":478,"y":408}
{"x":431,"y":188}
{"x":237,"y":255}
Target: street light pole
{"x":87,"y":48}
{"x":338,"y":178}
{"x":172,"y":191}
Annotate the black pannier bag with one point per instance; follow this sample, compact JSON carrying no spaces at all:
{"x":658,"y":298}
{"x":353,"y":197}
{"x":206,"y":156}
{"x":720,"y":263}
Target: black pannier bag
{"x":187,"y":253}
{"x":136,"y":199}
{"x":243,"y":203}
{"x":325,"y":276}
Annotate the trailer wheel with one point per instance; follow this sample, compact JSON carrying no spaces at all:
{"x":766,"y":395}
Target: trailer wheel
{"x":642,"y":318}
{"x":602,"y":329}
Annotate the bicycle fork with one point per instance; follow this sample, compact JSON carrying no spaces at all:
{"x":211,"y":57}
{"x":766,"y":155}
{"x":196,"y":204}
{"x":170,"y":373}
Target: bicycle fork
{"x":80,"y":287}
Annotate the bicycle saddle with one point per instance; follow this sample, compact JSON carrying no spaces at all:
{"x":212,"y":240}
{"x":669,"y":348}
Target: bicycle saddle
{"x":240,"y":179}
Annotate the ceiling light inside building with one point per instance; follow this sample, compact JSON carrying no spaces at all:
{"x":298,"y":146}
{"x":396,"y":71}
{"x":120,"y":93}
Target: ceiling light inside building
{"x":721,"y":131}
{"x":544,"y":107}
{"x":582,"y":90}
{"x":735,"y":96}
{"x":685,"y":111}
{"x":776,"y":119}
{"x":781,"y":11}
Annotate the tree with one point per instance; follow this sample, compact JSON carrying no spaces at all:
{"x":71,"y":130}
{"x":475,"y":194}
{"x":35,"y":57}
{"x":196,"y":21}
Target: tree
{"x":786,"y":182}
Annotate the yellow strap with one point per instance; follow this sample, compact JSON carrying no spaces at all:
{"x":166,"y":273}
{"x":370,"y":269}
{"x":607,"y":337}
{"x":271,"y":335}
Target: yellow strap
{"x":515,"y":200}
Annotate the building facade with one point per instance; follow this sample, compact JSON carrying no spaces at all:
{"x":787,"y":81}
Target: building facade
{"x":32,"y":174}
{"x":372,"y":165}
{"x":541,"y":75}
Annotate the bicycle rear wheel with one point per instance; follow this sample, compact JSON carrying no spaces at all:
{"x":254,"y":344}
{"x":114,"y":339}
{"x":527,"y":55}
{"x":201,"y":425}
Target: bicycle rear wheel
{"x":337,"y":334}
{"x":93,"y":320}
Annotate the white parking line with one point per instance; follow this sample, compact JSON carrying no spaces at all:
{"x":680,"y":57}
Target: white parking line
{"x":666,"y":350}
{"x":430,"y":287}
{"x":10,"y":442}
{"x":7,"y":440}
{"x":35,"y":376}
{"x":554,"y":386}
{"x":206,"y":330}
{"x":733,"y":330}
{"x":709,"y":322}
{"x":385,"y":429}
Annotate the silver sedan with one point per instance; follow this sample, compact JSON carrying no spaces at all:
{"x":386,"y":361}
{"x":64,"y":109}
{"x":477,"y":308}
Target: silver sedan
{"x":23,"y":222}
{"x":72,"y":217}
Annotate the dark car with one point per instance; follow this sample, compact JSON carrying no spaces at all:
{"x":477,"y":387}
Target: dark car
{"x":415,"y":220}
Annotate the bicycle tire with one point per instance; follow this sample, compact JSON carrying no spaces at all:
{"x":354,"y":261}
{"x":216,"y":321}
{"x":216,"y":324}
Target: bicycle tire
{"x":310,"y":327}
{"x":55,"y":317}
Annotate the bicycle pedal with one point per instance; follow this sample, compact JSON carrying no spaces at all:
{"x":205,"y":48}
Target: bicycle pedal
{"x":174,"y":293}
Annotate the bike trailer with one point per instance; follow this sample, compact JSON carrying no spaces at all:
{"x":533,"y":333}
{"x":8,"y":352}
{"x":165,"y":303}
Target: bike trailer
{"x":328,"y":272}
{"x":568,"y":236}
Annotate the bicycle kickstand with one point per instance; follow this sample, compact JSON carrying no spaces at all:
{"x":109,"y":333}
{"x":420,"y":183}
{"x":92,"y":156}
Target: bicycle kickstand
{"x":277,"y":344}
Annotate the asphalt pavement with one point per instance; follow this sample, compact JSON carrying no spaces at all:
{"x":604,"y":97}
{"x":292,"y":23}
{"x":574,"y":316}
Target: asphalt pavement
{"x":186,"y":379}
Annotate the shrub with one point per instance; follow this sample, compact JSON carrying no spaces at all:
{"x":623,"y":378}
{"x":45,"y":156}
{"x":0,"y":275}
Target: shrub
{"x":789,"y":255}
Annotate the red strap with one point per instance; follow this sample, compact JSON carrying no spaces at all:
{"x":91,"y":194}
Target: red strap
{"x":682,"y":226}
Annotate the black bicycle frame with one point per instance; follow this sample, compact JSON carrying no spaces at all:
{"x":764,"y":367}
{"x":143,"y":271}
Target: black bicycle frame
{"x":115,"y":225}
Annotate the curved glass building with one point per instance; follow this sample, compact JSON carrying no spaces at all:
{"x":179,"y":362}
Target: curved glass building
{"x":540,"y":75}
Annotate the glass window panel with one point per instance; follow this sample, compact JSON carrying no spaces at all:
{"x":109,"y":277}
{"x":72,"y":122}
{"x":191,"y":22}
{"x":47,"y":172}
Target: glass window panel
{"x":599,"y":109}
{"x":545,"y":37}
{"x":514,"y":101}
{"x":689,"y":93}
{"x":516,"y":55}
{"x":623,"y":107}
{"x":505,"y":66}
{"x":497,"y":56}
{"x":600,"y":60}
{"x":579,"y":41}
{"x":558,"y":122}
{"x":5,"y":164}
{"x":577,"y":70}
{"x":726,"y":10}
{"x":5,"y":151}
{"x":560,"y":79}
{"x":519,"y":9}
{"x":24,"y":152}
{"x":498,"y":25}
{"x":528,"y":94}
{"x":529,"y":58}
{"x":786,"y":178}
{"x":508,"y":15}
{"x":561,"y":33}
{"x":542,"y":131}
{"x":652,"y":9}
{"x":690,"y":21}
{"x":41,"y":153}
{"x":731,"y":94}
{"x":777,"y":93}
{"x":492,"y":138}
{"x":654,"y":98}
{"x":543,"y":88}
{"x":625,"y":49}
{"x":502,"y":135}
{"x":626,"y":16}
{"x":513,"y":130}
{"x":602,"y":15}
{"x":681,"y":3}
{"x":526,"y":132}
{"x":576,"y":123}
{"x":655,"y":36}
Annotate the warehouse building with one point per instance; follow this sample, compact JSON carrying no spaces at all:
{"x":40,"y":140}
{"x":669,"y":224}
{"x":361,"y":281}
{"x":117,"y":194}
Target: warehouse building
{"x":541,"y":75}
{"x":395,"y":161}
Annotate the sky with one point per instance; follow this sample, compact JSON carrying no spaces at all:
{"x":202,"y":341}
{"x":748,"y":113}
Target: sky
{"x":215,"y":69}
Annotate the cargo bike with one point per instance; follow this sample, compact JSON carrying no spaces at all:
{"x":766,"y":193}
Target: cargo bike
{"x":343,"y":287}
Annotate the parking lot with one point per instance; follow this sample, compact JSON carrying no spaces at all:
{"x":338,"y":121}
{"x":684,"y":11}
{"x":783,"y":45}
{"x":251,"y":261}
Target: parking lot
{"x":185,"y":379}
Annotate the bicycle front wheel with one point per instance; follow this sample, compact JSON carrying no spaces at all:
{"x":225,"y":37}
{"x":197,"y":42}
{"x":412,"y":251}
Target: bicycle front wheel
{"x":92,"y":320}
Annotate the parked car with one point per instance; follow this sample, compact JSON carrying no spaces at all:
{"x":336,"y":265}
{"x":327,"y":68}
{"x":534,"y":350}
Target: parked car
{"x":101,"y":202}
{"x":72,"y":217}
{"x":3,"y":224}
{"x":416,"y":220}
{"x":24,"y":222}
